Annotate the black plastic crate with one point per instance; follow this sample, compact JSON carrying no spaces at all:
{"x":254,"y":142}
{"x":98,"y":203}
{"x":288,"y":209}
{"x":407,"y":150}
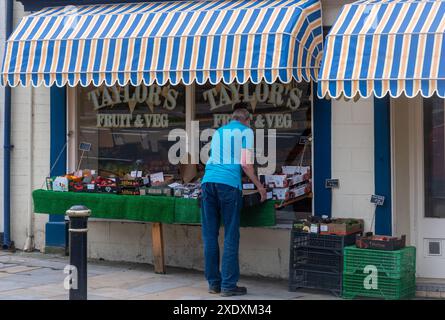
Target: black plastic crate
{"x":320,"y":241}
{"x":317,"y":259}
{"x":301,"y":278}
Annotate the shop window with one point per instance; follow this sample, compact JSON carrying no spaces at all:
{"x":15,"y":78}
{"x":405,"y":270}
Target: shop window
{"x":128,"y":127}
{"x":434,"y":153}
{"x":283,"y":107}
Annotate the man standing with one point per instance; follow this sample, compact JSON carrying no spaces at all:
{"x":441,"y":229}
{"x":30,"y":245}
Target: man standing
{"x":231,"y":151}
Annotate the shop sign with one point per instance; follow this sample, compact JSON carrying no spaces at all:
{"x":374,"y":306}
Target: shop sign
{"x":152,"y":96}
{"x":276,"y":94}
{"x":261,"y":121}
{"x":148,"y":120}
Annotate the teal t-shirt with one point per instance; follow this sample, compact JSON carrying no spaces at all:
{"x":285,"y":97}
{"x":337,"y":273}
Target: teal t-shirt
{"x":224,"y":164}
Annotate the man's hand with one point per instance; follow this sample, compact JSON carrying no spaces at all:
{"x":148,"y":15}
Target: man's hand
{"x":250,"y":172}
{"x":263,"y":193}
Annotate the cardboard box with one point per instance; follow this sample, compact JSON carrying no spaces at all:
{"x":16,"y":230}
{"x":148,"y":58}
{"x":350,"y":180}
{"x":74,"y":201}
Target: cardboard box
{"x":376,"y":242}
{"x":280,"y":193}
{"x":107,"y":185}
{"x":299,"y":191}
{"x":290,"y":193}
{"x":297,"y":179}
{"x":291,"y":170}
{"x":343,"y":226}
{"x":276,"y":181}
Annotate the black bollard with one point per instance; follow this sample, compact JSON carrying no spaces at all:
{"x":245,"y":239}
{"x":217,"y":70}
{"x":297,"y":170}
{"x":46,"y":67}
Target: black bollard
{"x":78,"y":251}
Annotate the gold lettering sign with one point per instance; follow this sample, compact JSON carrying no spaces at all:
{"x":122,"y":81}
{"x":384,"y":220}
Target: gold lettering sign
{"x":261,"y":121}
{"x":152,"y":96}
{"x":277,"y":94}
{"x":148,"y":120}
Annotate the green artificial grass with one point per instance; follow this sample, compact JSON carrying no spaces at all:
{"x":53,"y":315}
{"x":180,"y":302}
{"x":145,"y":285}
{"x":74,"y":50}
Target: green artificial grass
{"x":142,"y":208}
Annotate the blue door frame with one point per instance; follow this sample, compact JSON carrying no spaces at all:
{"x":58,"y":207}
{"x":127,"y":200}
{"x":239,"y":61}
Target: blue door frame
{"x":322,"y":144}
{"x":56,"y":232}
{"x":382,"y":164}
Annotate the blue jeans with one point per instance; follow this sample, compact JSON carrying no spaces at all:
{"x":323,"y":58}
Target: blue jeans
{"x":221,"y":200}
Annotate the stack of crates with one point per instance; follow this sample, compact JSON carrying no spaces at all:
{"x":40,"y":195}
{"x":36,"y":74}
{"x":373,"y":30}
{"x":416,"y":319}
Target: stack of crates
{"x":316,"y":261}
{"x":389,"y":275}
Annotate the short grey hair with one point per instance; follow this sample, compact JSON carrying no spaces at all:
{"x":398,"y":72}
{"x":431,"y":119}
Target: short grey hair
{"x":241,"y":114}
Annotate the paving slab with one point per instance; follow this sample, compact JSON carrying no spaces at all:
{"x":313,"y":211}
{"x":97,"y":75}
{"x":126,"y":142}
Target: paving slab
{"x":32,"y":276}
{"x":7,"y":285}
{"x":18,"y":269}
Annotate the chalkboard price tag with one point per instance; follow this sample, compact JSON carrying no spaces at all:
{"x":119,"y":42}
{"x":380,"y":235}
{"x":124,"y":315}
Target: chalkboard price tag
{"x":332,"y":183}
{"x":85,"y":146}
{"x":304,"y":140}
{"x":377,"y":200}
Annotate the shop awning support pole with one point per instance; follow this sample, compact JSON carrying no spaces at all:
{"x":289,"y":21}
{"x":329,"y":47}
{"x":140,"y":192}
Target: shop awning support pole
{"x":7,"y":145}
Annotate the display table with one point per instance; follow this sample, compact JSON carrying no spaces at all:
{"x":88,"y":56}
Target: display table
{"x":156,"y":209}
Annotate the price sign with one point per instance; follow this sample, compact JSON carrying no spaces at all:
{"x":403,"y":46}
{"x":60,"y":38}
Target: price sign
{"x":304,"y":140}
{"x":377,"y":200}
{"x":85,"y":146}
{"x":332,"y":183}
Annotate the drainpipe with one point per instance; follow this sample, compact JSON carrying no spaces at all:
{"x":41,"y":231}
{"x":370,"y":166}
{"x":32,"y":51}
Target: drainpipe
{"x":29,"y":244}
{"x":7,"y":144}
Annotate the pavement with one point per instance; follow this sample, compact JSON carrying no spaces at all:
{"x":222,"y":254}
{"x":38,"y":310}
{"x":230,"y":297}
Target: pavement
{"x":37,"y":276}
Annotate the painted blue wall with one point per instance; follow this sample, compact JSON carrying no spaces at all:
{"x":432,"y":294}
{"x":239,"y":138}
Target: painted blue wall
{"x":382,"y":164}
{"x":322,"y":137}
{"x":56,"y":228}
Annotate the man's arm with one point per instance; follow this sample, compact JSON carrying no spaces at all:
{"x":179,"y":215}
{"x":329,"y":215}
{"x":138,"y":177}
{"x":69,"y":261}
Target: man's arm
{"x":247,"y":165}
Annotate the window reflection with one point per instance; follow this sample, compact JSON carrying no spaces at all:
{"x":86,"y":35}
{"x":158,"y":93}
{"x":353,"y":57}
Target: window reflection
{"x":129,"y":126}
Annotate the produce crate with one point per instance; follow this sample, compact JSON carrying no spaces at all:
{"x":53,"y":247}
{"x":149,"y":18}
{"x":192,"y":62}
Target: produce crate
{"x":320,"y":241}
{"x":343,"y":227}
{"x":391,"y":244}
{"x":317,"y":259}
{"x":386,"y":288}
{"x":393,"y":264}
{"x":302,"y":278}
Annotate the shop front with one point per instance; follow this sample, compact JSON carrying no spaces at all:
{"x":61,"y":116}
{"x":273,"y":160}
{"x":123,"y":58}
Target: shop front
{"x":132,"y":84}
{"x":136,"y":92}
{"x":394,"y":51}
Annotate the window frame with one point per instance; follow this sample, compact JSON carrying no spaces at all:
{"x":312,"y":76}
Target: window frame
{"x":190,"y":110}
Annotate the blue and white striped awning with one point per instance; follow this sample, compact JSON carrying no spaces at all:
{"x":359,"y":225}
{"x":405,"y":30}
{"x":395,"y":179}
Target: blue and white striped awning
{"x":176,"y":42}
{"x":386,"y":46}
